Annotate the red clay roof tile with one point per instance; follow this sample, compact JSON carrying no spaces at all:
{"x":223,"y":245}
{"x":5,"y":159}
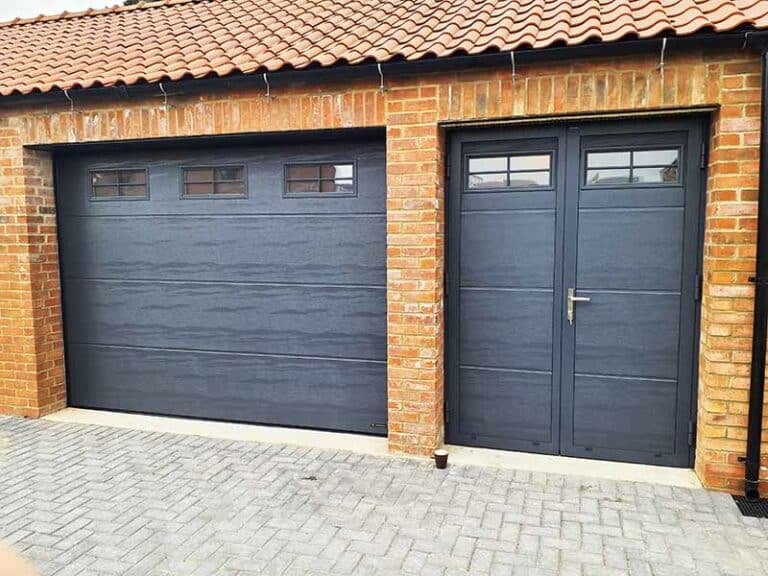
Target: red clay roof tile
{"x":175,"y":39}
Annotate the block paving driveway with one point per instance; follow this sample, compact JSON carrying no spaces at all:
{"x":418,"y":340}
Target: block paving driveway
{"x":93,"y":500}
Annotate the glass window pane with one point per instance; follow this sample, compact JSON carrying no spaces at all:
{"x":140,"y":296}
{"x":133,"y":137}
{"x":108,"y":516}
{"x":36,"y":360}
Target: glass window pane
{"x":534,"y":162}
{"x":607,"y":159}
{"x":105,"y":191}
{"x":331,"y":171}
{"x":345,"y":186}
{"x":303,"y":186}
{"x":608,"y":176}
{"x":303,"y":171}
{"x":133,"y":177}
{"x":104,"y":177}
{"x":201,"y":189}
{"x":655,"y":157}
{"x":528,"y":179}
{"x":495,"y":164}
{"x":229,"y":173}
{"x":133,"y":191}
{"x":498,"y":180}
{"x":233,"y":188}
{"x":198,"y":175}
{"x":650,"y":175}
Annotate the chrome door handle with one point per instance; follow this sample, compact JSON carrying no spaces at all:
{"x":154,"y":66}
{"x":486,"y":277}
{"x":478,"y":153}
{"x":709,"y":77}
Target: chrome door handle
{"x":572,"y":298}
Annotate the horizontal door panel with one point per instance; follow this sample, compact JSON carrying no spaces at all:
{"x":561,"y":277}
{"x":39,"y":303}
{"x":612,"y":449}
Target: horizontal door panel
{"x":508,"y":249}
{"x":506,"y":329}
{"x":297,"y":320}
{"x":630,"y":249}
{"x":329,"y":394}
{"x":631,"y":197}
{"x":303,"y":249}
{"x":526,"y":199}
{"x":624,"y":414}
{"x":516,"y":406}
{"x":628,"y":334}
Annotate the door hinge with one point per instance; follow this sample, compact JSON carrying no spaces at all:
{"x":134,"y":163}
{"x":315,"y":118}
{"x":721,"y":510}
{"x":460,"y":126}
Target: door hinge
{"x":703,"y":156}
{"x":699,"y":288}
{"x":691,"y":432}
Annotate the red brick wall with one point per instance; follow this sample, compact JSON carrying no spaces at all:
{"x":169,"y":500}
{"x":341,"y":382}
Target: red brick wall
{"x":412,"y":109}
{"x":729,"y":259}
{"x":31,"y":362}
{"x":415,"y":247}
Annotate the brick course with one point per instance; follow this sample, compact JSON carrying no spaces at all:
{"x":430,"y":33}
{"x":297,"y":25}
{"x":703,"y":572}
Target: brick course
{"x":412,"y":110}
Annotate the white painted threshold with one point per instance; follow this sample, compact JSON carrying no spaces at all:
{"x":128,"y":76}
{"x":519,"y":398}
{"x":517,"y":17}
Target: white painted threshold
{"x":377,"y":446}
{"x":599,"y":469}
{"x":225,"y":430}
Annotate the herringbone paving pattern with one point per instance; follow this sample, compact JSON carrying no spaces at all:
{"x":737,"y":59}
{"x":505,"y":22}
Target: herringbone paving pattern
{"x":91,"y":500}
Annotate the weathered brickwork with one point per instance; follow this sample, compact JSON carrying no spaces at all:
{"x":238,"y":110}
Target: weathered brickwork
{"x":415,"y":246}
{"x":31,"y":361}
{"x":412,"y":110}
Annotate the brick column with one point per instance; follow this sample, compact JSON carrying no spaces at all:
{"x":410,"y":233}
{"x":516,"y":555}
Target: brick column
{"x":729,"y":260}
{"x":415,"y":259}
{"x":31,"y":341}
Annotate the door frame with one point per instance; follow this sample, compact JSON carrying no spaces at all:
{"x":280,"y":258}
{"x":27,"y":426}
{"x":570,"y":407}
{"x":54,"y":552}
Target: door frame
{"x":455,"y":139}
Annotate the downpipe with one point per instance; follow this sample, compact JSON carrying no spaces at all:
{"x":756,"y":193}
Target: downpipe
{"x":760,"y":320}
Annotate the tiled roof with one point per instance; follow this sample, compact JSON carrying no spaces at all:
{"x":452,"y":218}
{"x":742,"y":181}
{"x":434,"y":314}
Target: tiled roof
{"x":175,"y":39}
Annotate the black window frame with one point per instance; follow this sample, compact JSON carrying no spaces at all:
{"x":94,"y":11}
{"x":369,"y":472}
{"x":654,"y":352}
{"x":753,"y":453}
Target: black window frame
{"x":509,"y":172}
{"x":213,"y":195}
{"x":287,"y":181}
{"x":585,"y":169}
{"x":120,"y":197}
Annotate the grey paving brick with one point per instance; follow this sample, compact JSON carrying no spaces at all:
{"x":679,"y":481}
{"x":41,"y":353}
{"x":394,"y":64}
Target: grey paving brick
{"x":89,"y":501}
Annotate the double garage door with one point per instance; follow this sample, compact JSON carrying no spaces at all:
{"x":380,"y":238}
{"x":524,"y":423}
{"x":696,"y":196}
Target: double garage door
{"x":573,"y":287}
{"x":237,"y":283}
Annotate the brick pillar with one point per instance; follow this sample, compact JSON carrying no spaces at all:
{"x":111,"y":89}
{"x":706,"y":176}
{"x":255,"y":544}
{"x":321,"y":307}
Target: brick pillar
{"x":31,"y":341}
{"x":415,"y":259}
{"x":729,"y":260}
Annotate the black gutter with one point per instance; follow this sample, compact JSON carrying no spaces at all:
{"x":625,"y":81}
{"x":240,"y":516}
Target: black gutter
{"x":760,"y":320}
{"x":344,"y":72}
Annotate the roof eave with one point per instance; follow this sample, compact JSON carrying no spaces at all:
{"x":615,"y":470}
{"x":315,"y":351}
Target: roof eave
{"x":743,"y":39}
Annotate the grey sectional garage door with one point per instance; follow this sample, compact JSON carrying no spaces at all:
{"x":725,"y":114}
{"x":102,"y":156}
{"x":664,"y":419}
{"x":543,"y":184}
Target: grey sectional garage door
{"x":573,"y":287}
{"x":235,"y":283}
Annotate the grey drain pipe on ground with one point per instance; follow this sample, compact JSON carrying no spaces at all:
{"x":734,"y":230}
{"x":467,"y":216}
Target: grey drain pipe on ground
{"x":760,"y":321}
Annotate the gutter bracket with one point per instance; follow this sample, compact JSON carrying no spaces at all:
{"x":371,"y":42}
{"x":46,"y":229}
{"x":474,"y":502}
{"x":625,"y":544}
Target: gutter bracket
{"x":514,"y":67}
{"x":266,"y":81}
{"x":660,"y":67}
{"x":71,"y":102}
{"x":746,"y":40}
{"x":382,"y":88}
{"x":165,"y":97}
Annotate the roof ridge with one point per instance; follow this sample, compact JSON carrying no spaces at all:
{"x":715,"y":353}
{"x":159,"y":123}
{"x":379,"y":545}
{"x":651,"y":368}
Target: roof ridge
{"x":115,"y":9}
